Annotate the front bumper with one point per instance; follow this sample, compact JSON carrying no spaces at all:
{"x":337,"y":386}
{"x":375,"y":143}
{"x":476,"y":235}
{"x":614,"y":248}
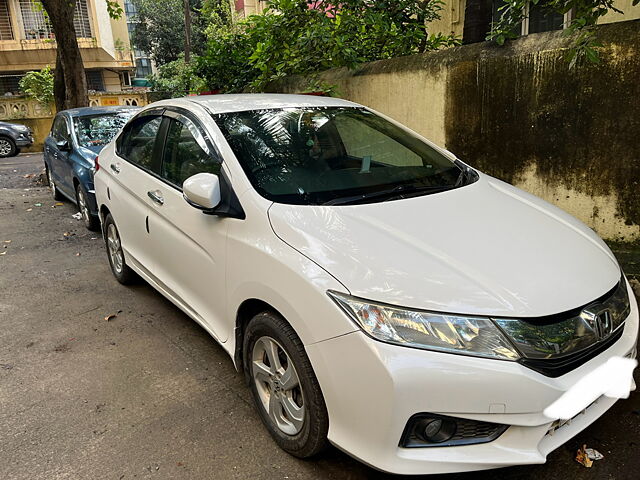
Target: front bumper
{"x":371,"y":390}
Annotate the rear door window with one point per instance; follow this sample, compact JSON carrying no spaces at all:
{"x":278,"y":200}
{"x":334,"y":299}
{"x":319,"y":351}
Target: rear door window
{"x":138,"y":141}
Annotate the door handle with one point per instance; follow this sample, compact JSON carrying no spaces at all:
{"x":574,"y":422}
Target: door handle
{"x":156,"y":196}
{"x":115,"y":167}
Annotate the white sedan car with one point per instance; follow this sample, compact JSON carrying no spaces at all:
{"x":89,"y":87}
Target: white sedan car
{"x":378,"y":293}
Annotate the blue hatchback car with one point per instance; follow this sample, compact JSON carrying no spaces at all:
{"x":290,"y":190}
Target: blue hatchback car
{"x":70,"y":150}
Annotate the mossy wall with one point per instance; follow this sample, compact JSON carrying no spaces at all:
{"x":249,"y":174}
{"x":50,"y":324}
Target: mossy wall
{"x":571,"y":136}
{"x":523,"y":115}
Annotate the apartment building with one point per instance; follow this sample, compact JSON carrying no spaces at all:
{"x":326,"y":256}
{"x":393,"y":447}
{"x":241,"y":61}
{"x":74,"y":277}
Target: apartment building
{"x":536,"y":18}
{"x":27,"y":42}
{"x":144,"y":66}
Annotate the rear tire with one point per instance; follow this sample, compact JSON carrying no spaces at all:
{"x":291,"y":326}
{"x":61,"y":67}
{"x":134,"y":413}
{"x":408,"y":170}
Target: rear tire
{"x":119,"y":268}
{"x":284,"y":387}
{"x":7,"y":147}
{"x":52,"y":185}
{"x":92,"y":222}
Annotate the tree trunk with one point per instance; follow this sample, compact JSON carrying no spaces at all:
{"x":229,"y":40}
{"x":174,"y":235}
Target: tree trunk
{"x":187,"y":31}
{"x":70,"y":83}
{"x":477,"y":21}
{"x":59,"y":90}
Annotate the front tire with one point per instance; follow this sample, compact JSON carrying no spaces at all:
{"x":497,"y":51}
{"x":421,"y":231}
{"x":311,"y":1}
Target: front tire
{"x":119,"y":268}
{"x":284,"y":387}
{"x":92,"y":222}
{"x":7,"y":147}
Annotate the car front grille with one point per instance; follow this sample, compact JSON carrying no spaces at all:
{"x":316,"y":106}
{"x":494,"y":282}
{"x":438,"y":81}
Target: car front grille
{"x":555,"y":367}
{"x":556,"y":344}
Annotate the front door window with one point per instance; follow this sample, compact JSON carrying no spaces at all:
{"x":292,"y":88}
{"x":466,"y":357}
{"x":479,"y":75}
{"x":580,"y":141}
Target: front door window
{"x":186,"y":153}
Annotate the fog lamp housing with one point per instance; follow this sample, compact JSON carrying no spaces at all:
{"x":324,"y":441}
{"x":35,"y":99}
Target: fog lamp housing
{"x":432,"y":430}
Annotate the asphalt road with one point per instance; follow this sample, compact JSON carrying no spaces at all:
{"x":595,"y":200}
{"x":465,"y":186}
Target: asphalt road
{"x":148,"y":394}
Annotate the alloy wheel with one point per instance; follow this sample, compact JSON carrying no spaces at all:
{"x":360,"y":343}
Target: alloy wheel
{"x":114,"y":248}
{"x":5,"y":147}
{"x":278,"y":385}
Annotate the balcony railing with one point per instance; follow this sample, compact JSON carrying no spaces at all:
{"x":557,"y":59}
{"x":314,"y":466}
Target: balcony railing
{"x":19,"y":107}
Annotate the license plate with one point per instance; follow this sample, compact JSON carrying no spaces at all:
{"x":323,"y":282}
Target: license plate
{"x":613,"y":379}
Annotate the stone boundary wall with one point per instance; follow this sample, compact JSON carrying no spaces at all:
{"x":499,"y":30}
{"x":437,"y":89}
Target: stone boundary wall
{"x":19,"y":109}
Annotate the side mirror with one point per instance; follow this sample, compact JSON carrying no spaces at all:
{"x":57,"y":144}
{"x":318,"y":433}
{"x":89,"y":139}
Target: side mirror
{"x":63,"y":145}
{"x":202,"y":191}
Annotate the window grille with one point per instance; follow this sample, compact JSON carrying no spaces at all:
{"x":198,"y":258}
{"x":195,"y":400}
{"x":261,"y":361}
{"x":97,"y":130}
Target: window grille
{"x":9,"y":84}
{"x":95,"y":80}
{"x":6,"y":32}
{"x":37,"y":25}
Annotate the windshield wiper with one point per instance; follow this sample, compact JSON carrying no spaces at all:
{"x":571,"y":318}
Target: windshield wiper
{"x":400,"y":191}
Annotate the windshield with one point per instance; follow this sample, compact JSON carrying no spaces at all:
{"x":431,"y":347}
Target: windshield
{"x":334,"y":155}
{"x":98,"y":130}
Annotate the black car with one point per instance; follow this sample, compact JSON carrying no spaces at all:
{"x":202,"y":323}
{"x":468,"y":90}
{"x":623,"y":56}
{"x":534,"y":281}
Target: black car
{"x":13,"y":137}
{"x":70,"y":150}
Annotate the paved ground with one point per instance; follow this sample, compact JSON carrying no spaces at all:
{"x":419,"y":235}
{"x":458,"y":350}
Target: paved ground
{"x":148,"y":394}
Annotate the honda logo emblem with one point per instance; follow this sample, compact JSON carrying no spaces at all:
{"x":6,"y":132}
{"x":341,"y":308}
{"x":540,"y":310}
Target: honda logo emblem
{"x":599,"y":320}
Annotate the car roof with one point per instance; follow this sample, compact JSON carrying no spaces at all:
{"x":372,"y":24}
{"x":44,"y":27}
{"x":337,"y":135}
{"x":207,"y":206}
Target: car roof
{"x":85,"y":111}
{"x":242,"y":102}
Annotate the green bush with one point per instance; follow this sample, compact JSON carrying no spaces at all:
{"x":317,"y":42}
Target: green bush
{"x":177,"y":79}
{"x":299,"y":37}
{"x":39,"y":86}
{"x":225,"y":63}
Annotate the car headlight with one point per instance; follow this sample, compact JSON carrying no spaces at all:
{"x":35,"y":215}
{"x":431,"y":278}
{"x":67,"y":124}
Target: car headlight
{"x":22,"y":128}
{"x":441,"y":332}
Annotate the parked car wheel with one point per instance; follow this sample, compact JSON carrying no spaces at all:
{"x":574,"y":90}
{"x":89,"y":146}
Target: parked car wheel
{"x":284,"y":386}
{"x":52,"y":185}
{"x":7,"y":147}
{"x":119,"y":268}
{"x":92,"y":222}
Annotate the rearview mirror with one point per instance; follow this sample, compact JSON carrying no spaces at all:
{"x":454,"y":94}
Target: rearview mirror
{"x":202,"y":191}
{"x":63,"y":145}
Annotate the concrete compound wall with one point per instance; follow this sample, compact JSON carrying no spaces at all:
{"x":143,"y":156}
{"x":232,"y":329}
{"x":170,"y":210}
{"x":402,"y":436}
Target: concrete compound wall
{"x":570,"y":136}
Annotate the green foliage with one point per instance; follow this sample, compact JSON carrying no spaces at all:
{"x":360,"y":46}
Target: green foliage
{"x":225,"y":63}
{"x":114,"y":9}
{"x":586,"y":14}
{"x":177,"y":79}
{"x":319,"y":87}
{"x":39,"y":86}
{"x":119,"y":45}
{"x":160,"y":28}
{"x":297,"y":37}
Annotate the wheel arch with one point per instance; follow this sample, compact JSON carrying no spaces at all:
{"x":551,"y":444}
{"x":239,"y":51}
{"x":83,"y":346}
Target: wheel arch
{"x":248,"y":309}
{"x":81,"y":175}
